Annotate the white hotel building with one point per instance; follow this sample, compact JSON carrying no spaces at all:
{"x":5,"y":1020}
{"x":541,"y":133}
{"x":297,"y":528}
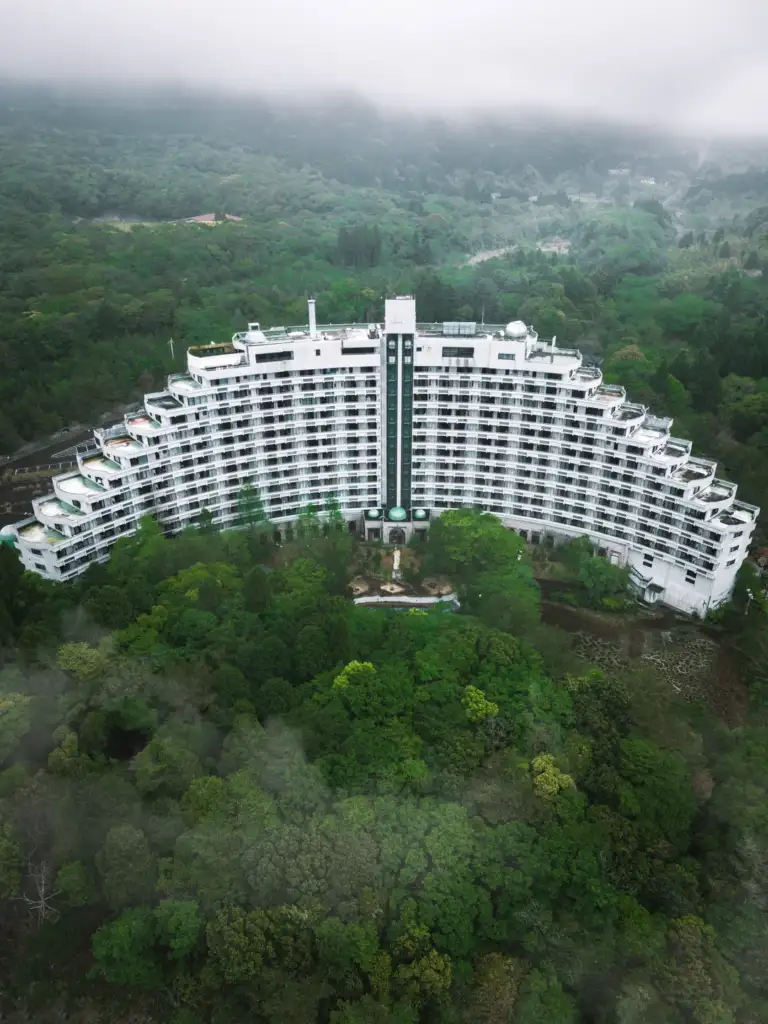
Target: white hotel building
{"x":399,"y":422}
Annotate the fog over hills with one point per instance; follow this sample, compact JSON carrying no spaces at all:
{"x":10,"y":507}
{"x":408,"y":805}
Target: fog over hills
{"x":682,"y":65}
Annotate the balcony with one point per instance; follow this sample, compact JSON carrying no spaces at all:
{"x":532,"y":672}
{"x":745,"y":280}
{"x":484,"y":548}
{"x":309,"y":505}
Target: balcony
{"x":659,"y":423}
{"x":52,"y":507}
{"x":184,"y":383}
{"x":739,"y":514}
{"x":608,"y":395}
{"x":77,"y":486}
{"x":718,"y":492}
{"x":100,"y":464}
{"x":122,"y":444}
{"x":103,"y":434}
{"x":163,"y":400}
{"x":673,"y":452}
{"x":33,"y":532}
{"x":649,"y":436}
{"x":694,"y":469}
{"x":207,"y":358}
{"x":143,"y":425}
{"x":630,"y":412}
{"x":552,"y":355}
{"x":586,"y":375}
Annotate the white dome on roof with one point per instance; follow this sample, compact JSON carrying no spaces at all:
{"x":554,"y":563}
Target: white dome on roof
{"x":516,"y":329}
{"x":7,"y":531}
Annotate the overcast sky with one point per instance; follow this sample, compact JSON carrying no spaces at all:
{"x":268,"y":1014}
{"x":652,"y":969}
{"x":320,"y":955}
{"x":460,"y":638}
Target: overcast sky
{"x":695,"y":64}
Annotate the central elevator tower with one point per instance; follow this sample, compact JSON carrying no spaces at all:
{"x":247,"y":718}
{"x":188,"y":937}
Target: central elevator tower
{"x":400,"y":334}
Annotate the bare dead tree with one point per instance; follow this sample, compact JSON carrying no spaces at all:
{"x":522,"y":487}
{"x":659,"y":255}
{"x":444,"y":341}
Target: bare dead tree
{"x":38,"y":892}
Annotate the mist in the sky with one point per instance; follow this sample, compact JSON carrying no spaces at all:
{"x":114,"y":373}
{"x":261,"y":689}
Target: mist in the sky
{"x":683,"y":64}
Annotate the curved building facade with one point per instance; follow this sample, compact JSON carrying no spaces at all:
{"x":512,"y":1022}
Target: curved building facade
{"x":398,"y":422}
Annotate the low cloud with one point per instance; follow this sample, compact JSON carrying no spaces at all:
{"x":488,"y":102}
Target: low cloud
{"x":680,"y":64}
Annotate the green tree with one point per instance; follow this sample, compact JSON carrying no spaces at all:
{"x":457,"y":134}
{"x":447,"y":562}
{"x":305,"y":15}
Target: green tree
{"x":83,"y":661}
{"x":10,"y":863}
{"x":542,"y":1000}
{"x":237,"y":943}
{"x":205,"y":522}
{"x":166,"y":766}
{"x":601,"y":579}
{"x":695,"y":977}
{"x":656,"y":790}
{"x":548,"y":780}
{"x":126,"y":866}
{"x":477,"y":706}
{"x":368,"y":1011}
{"x":749,"y":416}
{"x":123,"y":950}
{"x":74,"y":885}
{"x":15,"y":722}
{"x":467,"y":541}
{"x":179,"y":925}
{"x":497,"y":980}
{"x":251,"y":508}
{"x":752,"y":261}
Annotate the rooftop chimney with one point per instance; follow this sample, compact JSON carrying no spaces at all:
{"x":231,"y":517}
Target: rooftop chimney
{"x":312,"y":319}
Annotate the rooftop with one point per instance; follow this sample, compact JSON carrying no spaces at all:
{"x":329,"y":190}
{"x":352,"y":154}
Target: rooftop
{"x":123,"y":445}
{"x":673,"y":450}
{"x":184,"y":382}
{"x":163,"y":401}
{"x":215,"y":348}
{"x":356,"y":333}
{"x":648,"y":435}
{"x":143,"y":423}
{"x":36,"y":533}
{"x":555,"y":355}
{"x":53,"y":506}
{"x":690,"y":472}
{"x":630,"y":411}
{"x":729,"y":519}
{"x":719,"y":490}
{"x":587,"y":374}
{"x":662,"y":423}
{"x":78,"y":485}
{"x":99,"y":464}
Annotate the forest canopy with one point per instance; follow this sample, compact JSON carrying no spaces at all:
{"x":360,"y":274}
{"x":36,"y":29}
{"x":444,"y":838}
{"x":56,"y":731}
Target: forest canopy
{"x":228,"y":793}
{"x":99,"y":268}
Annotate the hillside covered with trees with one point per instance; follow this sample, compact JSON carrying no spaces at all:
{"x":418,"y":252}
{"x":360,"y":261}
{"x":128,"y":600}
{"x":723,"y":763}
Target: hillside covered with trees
{"x":99,"y":268}
{"x":229,"y":794}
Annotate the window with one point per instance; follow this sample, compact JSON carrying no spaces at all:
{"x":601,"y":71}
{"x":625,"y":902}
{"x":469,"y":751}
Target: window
{"x":648,"y":561}
{"x":457,"y":352}
{"x":273,"y":357}
{"x":732,"y":562}
{"x":690,"y":576}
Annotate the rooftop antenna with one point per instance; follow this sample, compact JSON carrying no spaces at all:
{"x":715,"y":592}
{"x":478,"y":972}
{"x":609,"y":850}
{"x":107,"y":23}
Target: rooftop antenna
{"x":482,"y":317}
{"x":170,"y":343}
{"x":312,"y":318}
